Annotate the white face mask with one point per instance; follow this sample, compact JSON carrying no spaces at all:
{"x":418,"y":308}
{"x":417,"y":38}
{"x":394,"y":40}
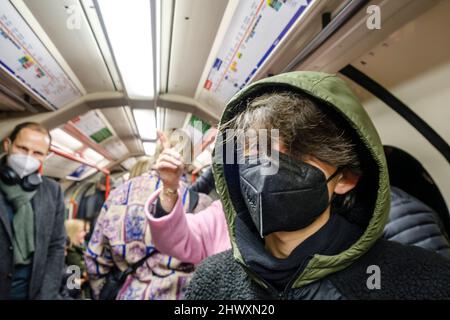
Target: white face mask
{"x":23,"y":165}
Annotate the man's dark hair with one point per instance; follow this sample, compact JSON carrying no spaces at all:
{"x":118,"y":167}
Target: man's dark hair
{"x":307,"y":128}
{"x":30,"y":125}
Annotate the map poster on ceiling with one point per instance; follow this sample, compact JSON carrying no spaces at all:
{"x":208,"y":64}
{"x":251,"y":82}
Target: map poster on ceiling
{"x":92,"y":126}
{"x":81,"y":170}
{"x":58,"y":167}
{"x":254,"y":32}
{"x":24,"y":57}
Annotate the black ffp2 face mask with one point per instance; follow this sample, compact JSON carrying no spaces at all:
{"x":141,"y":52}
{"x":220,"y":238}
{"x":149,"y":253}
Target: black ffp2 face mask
{"x":289,"y":200}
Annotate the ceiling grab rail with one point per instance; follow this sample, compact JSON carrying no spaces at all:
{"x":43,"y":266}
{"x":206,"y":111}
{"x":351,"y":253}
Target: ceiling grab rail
{"x":398,"y":106}
{"x":329,"y":28}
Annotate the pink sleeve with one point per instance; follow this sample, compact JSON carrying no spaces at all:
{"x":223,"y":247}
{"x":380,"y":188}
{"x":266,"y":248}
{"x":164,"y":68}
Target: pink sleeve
{"x":189,"y":237}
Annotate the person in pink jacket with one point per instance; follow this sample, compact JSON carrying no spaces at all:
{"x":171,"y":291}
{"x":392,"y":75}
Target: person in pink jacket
{"x":188,"y":237}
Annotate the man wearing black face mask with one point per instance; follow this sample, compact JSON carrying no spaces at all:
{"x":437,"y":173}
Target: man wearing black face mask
{"x":32,"y":235}
{"x":311,"y":228}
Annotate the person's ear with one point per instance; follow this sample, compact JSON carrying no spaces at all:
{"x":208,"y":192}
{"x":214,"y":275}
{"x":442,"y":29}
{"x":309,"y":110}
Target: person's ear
{"x":6,"y":145}
{"x":347,"y":180}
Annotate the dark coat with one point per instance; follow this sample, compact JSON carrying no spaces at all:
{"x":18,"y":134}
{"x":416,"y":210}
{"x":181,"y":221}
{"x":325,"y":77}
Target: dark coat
{"x":205,"y":183}
{"x":406,"y":272}
{"x":48,"y":261}
{"x":75,"y":256}
{"x":412,"y":222}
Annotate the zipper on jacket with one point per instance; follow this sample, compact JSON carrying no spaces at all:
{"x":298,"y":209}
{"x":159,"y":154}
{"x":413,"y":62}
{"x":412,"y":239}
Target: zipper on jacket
{"x":280,"y":295}
{"x":269,"y":288}
{"x":297,"y":273}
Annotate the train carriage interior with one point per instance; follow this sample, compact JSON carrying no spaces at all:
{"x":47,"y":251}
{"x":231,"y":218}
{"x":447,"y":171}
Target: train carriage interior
{"x":103,"y":76}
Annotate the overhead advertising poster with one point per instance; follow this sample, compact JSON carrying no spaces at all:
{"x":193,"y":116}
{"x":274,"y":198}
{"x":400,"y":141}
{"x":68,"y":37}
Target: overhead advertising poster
{"x":197,"y":129}
{"x":92,"y":126}
{"x":24,"y":56}
{"x":116,"y":148}
{"x":254,"y":32}
{"x":79,"y":171}
{"x":59,"y":167}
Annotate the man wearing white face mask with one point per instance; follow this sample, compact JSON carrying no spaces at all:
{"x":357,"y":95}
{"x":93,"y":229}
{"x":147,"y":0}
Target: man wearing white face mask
{"x":32,"y":232}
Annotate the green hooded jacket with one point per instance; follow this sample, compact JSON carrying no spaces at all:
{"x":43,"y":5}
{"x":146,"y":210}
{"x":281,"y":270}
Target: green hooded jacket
{"x":335,"y":93}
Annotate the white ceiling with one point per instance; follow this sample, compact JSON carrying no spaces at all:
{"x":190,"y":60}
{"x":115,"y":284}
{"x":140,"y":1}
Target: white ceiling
{"x":419,"y":47}
{"x":195,"y":26}
{"x":78,"y":46}
{"x":413,"y":63}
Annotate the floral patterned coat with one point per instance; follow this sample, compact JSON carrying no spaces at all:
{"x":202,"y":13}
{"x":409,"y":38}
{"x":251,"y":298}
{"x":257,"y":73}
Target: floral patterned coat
{"x":122,"y":237}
